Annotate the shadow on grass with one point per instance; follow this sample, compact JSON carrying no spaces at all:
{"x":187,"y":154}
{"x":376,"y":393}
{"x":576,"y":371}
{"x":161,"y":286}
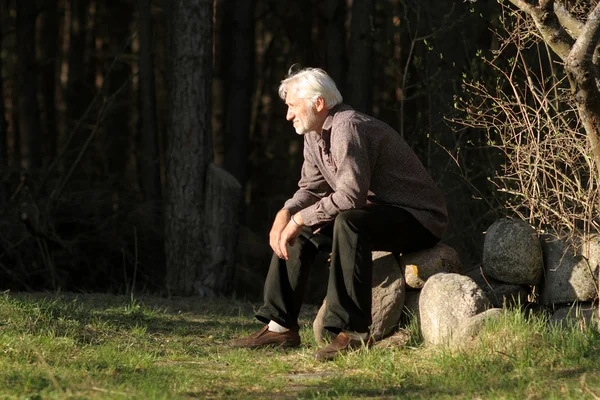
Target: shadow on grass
{"x":80,"y":315}
{"x":201,"y":324}
{"x":434,"y":387}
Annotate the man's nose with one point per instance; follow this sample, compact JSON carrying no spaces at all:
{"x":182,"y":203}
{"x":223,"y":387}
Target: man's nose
{"x":290,"y":115}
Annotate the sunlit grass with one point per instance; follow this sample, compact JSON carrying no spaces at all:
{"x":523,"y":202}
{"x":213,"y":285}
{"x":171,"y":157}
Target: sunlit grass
{"x":102,"y":346}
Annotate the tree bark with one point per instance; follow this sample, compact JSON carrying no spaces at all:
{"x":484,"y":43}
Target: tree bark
{"x":29,"y":110}
{"x":222,"y":204}
{"x":3,"y":125}
{"x":585,"y":80}
{"x":49,"y":54}
{"x":193,"y":245}
{"x":239,"y":90}
{"x":117,"y":122}
{"x":77,"y":91}
{"x":360,"y":81}
{"x":221,"y":61}
{"x":150,"y":163}
{"x":334,"y":15}
{"x":578,"y":54}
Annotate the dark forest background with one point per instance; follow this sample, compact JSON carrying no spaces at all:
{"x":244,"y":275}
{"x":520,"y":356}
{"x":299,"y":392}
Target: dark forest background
{"x":88,"y":128}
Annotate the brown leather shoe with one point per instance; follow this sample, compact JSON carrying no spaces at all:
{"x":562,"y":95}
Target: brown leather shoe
{"x":265,"y":338}
{"x":342,"y":344}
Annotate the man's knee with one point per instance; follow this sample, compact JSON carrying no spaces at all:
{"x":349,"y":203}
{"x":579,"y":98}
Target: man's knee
{"x":349,"y":219}
{"x":302,"y":246}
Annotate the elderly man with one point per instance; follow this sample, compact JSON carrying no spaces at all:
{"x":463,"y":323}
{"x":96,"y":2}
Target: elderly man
{"x":362,"y":186}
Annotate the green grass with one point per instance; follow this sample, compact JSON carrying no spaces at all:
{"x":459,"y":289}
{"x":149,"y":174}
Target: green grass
{"x":58,"y":346}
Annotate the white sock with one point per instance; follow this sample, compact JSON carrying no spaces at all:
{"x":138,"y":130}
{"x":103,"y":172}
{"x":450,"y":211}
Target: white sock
{"x":275,"y":327}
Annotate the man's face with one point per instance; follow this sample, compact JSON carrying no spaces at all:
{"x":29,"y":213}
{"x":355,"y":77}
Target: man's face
{"x":302,"y":114}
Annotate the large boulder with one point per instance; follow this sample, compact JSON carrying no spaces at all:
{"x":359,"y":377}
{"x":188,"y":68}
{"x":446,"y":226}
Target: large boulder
{"x":411,"y":304}
{"x":512,"y":253}
{"x":500,"y":294}
{"x":578,"y":315}
{"x":446,"y":300}
{"x":421,"y":265}
{"x":252,"y":263}
{"x":468,"y":329}
{"x":571,"y":270}
{"x":388,"y":292}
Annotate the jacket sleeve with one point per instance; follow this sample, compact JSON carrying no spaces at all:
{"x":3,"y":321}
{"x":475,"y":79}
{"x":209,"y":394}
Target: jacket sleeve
{"x":352,"y":178}
{"x":312,"y":186}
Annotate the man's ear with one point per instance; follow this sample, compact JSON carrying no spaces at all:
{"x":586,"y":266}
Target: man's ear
{"x":320,"y":104}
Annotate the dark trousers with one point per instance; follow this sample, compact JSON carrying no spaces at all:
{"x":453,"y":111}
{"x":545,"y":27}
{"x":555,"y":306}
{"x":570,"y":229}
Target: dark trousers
{"x":353,"y":235}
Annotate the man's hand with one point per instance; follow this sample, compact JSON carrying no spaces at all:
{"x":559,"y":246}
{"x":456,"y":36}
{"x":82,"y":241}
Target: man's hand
{"x":289,"y":235}
{"x":281,"y":221}
{"x":284,"y":231}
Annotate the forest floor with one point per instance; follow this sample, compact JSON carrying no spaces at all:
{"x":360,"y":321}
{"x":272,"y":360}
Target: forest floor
{"x":92,"y":346}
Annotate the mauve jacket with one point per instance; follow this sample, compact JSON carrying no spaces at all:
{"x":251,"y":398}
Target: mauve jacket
{"x":358,"y":159}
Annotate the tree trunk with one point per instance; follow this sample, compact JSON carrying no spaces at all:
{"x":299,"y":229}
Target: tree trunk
{"x":222,"y":204}
{"x":334,"y":15}
{"x":585,"y":80}
{"x":3,"y":125}
{"x":576,"y":46}
{"x":360,"y":81}
{"x":77,"y":91}
{"x":49,"y":54}
{"x":150,"y":162}
{"x":220,"y":76}
{"x":239,"y":90}
{"x":193,"y":192}
{"x":29,"y":110}
{"x":117,"y":132}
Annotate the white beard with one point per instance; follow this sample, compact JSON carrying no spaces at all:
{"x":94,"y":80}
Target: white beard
{"x":306,"y":125}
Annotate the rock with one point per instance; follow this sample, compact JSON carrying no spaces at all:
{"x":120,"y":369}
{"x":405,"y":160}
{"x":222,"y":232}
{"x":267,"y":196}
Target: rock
{"x":421,"y":265}
{"x":468,"y":329}
{"x":387,"y":298}
{"x":571,"y":271}
{"x":535,"y":310}
{"x":253,"y":256}
{"x":411,"y":304}
{"x":446,"y":300}
{"x":500,"y":294}
{"x":578,"y":315}
{"x":322,"y":335}
{"x":399,"y":339}
{"x":512,"y":253}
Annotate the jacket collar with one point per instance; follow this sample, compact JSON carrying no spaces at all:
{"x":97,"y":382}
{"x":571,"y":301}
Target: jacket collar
{"x":328,"y":123}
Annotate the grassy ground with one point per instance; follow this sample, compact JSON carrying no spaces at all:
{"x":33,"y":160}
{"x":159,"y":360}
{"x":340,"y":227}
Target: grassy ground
{"x":116,"y":347}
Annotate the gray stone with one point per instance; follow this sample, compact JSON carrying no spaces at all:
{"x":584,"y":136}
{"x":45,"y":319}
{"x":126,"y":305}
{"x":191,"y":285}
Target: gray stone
{"x":398,"y":340}
{"x":411,"y":304}
{"x":387,"y":295}
{"x":512,"y":253}
{"x":500,"y":294}
{"x":322,"y":335}
{"x":571,"y":272}
{"x":422,"y":264}
{"x":468,"y":329}
{"x":446,"y":300}
{"x":578,"y":315}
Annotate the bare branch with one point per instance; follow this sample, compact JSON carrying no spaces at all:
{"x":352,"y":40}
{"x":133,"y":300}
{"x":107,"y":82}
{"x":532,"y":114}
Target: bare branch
{"x":585,"y":77}
{"x":524,"y":6}
{"x":568,"y":20}
{"x":547,"y":5}
{"x":549,"y":26}
{"x":583,"y":50}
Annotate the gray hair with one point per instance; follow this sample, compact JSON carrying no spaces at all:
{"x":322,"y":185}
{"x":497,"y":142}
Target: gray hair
{"x":309,"y":84}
